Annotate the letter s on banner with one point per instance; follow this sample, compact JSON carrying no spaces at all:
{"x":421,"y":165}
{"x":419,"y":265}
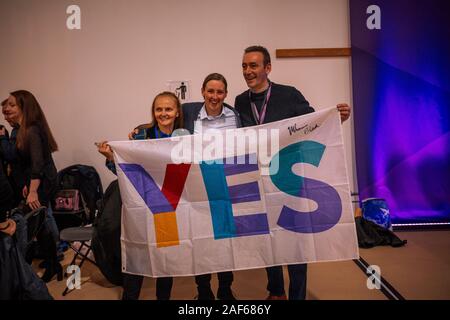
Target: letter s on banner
{"x":329,"y":205}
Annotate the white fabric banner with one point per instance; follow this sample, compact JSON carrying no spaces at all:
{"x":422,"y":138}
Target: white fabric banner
{"x":246,"y":198}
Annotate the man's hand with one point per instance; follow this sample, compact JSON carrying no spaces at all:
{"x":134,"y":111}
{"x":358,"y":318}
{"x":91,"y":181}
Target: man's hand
{"x":344,"y":110}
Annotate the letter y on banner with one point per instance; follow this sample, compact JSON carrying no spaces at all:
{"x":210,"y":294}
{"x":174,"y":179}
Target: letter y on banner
{"x":162,"y":203}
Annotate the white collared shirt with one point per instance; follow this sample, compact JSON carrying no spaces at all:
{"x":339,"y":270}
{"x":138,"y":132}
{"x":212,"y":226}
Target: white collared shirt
{"x":225,"y":120}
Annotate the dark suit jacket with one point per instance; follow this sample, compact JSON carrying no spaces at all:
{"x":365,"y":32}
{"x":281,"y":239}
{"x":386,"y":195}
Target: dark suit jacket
{"x":192,"y":109}
{"x":285,"y":102}
{"x":6,"y":195}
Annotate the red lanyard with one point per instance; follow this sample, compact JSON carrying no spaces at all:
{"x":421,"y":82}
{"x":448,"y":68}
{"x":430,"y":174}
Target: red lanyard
{"x":259,"y":117}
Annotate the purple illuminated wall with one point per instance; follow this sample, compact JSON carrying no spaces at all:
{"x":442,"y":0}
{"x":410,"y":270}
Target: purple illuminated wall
{"x":401,"y":96}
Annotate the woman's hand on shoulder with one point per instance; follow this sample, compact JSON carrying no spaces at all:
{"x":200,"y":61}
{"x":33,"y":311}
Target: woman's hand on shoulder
{"x":132,"y":133}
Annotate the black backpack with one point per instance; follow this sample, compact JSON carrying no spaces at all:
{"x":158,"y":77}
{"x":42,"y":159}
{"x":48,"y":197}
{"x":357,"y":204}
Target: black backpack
{"x":106,"y":238}
{"x":87,"y":181}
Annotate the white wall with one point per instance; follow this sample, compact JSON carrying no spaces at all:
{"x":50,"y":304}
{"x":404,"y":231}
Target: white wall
{"x":98,"y":82}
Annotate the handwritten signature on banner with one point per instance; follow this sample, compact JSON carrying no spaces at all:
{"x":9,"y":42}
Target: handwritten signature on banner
{"x":304,"y":129}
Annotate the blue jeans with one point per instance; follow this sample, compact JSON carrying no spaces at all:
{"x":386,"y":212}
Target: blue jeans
{"x":21,"y":233}
{"x":21,"y":230}
{"x":297,"y":281}
{"x":51,"y":224}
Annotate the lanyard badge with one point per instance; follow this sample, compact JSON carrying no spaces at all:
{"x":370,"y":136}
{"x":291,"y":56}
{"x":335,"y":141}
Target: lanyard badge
{"x":259,"y":117}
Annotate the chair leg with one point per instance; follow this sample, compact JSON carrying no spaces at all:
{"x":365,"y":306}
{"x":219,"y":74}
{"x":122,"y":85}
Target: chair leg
{"x":65,"y":291}
{"x":85,"y":257}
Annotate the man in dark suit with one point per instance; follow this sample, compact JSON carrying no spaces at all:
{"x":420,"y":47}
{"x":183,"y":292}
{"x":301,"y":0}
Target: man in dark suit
{"x":266,"y":102}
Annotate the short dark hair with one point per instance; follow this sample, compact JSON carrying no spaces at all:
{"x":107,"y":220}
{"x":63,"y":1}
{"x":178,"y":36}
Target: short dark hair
{"x":261,"y":49}
{"x":215,"y":76}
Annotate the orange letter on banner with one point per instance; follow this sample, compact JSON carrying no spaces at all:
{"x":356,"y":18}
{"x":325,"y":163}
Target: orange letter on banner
{"x":166,"y":229}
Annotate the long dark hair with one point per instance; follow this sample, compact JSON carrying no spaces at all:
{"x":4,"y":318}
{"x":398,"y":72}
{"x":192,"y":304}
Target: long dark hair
{"x":32,"y":116}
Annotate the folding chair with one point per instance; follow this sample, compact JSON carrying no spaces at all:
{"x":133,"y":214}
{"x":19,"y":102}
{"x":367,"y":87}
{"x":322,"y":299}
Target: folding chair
{"x":82,"y":235}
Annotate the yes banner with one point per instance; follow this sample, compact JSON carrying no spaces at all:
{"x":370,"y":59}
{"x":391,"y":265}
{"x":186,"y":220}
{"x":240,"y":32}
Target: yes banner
{"x":237,"y":199}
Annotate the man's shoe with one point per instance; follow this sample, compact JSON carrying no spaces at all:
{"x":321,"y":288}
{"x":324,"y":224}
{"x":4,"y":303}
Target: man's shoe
{"x":205,"y":294}
{"x":225,"y":294}
{"x":274,"y":297}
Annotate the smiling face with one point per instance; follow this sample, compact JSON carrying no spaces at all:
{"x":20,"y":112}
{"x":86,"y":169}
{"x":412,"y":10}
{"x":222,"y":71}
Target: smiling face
{"x":165,"y":112}
{"x":12,"y":112}
{"x":214,"y":94}
{"x":254,"y":71}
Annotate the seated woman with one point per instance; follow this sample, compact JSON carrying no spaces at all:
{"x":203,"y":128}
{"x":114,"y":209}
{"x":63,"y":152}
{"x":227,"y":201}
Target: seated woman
{"x":18,"y":281}
{"x":167,"y":116}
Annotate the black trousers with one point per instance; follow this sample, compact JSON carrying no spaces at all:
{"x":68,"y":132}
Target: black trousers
{"x":297,"y":281}
{"x":132,"y":285}
{"x":204,"y":281}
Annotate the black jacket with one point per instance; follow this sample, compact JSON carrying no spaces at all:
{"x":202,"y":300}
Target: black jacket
{"x":192,"y":109}
{"x":6,"y":195}
{"x":106,"y":237}
{"x":284,"y":102}
{"x":18,"y":281}
{"x":37,"y":163}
